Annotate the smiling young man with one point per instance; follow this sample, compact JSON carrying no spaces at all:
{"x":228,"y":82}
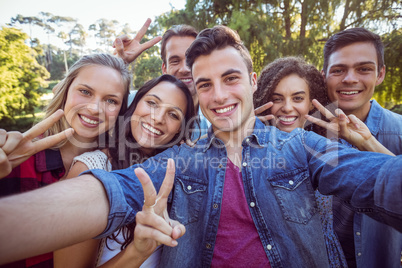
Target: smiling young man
{"x":353,"y":67}
{"x":245,"y":193}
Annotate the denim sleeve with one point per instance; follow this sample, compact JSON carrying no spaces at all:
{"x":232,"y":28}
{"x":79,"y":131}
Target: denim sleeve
{"x":120,"y":212}
{"x":124,"y":190}
{"x":388,"y":192}
{"x":364,"y":179}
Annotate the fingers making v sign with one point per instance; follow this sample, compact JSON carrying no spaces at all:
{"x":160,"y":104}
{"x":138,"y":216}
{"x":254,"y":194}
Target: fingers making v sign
{"x":16,"y":147}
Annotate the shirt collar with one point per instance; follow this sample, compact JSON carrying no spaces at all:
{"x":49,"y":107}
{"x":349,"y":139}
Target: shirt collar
{"x":259,"y":136}
{"x":374,"y":117}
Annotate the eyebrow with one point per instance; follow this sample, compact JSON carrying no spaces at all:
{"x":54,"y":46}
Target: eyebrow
{"x":157,"y":97}
{"x":354,"y":65}
{"x":230,"y":71}
{"x":296,"y":93}
{"x":88,"y":87}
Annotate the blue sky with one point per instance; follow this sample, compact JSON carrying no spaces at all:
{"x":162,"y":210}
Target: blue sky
{"x":133,"y":12}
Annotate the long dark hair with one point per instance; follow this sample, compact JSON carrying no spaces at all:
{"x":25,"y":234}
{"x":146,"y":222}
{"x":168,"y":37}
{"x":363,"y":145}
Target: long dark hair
{"x":125,"y":146}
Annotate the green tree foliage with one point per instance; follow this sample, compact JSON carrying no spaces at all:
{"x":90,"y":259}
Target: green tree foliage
{"x":20,"y":75}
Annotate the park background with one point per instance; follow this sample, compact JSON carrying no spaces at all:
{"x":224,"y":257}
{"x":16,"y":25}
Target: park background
{"x":36,"y":50}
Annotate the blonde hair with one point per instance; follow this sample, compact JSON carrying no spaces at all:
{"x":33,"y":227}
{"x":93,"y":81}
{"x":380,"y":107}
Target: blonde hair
{"x":61,"y":89}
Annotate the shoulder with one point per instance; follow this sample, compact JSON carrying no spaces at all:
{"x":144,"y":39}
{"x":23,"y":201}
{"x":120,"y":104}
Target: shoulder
{"x":94,"y":160}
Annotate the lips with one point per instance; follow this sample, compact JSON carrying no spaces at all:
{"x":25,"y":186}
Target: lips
{"x":287,"y":120}
{"x":90,"y":120}
{"x":225,"y":109}
{"x":151,"y":129}
{"x":348,"y":92}
{"x":186,"y":80}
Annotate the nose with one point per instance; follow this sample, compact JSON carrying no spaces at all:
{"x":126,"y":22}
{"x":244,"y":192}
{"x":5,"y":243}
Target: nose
{"x":95,"y":106}
{"x":184,"y":69}
{"x":158,"y":115}
{"x":287,"y":107}
{"x":350,"y":77}
{"x":220,"y":94}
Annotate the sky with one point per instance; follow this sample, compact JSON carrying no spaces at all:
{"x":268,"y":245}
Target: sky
{"x":133,"y":12}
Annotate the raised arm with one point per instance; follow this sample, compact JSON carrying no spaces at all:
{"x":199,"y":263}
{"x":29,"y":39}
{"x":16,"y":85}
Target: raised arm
{"x":129,"y":49}
{"x":52,"y":217}
{"x":16,"y":147}
{"x":349,"y":128}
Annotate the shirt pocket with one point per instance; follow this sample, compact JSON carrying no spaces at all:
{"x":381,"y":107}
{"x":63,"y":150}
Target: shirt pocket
{"x":295,"y":195}
{"x":188,"y":196}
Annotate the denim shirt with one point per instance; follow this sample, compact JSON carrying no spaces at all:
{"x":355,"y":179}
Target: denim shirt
{"x":376,"y":244}
{"x":280,"y":172}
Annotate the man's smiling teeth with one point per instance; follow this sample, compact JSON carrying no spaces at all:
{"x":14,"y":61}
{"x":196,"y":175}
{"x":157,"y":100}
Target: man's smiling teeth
{"x":89,"y":121}
{"x":186,"y":80}
{"x":224,"y":110}
{"x":151,"y":129}
{"x":287,"y":119}
{"x":349,"y":92}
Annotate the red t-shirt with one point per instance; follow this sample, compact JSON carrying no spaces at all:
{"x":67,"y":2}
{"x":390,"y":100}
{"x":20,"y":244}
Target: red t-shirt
{"x":237,"y":242}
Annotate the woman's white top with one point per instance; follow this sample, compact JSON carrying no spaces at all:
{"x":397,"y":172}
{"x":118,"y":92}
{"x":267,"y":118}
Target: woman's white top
{"x":99,"y":160}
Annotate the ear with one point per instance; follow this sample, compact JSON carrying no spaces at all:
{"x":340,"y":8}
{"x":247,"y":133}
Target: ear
{"x":253,"y":78}
{"x":323,"y":76}
{"x":380,"y":76}
{"x":164,"y":71}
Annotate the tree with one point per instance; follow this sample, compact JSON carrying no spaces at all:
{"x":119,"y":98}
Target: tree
{"x":20,"y":75}
{"x":105,"y":32}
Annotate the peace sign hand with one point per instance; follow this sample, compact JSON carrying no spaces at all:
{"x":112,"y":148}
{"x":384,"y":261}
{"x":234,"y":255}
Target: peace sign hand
{"x":349,"y":128}
{"x":129,"y":49}
{"x":16,"y":147}
{"x":264,"y":118}
{"x":153,"y":225}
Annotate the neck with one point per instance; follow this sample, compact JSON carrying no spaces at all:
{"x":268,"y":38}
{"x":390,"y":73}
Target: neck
{"x":361,"y":112}
{"x":233,"y":140}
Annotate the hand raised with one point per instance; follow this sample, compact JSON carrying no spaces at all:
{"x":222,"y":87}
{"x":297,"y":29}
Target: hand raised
{"x":264,"y":118}
{"x":129,"y":49}
{"x":349,"y":128}
{"x":153,"y":225}
{"x":16,"y":147}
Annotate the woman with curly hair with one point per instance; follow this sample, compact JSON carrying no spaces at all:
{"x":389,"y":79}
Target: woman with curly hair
{"x":291,"y":84}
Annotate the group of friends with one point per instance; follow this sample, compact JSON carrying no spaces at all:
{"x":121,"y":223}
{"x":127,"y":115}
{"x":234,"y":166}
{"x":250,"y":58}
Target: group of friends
{"x":209,"y":165}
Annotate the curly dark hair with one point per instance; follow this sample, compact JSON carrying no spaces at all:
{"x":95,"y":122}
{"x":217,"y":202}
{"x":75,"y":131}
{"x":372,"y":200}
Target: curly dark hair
{"x":274,"y":72}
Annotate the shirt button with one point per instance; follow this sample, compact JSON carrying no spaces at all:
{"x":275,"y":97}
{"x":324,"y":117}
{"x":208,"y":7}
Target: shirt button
{"x":215,"y":206}
{"x":291,"y":182}
{"x":220,"y":166}
{"x":247,"y":140}
{"x":208,"y":246}
{"x":269,"y":247}
{"x":252,"y":204}
{"x":359,"y":254}
{"x":244,"y":164}
{"x":357,"y":233}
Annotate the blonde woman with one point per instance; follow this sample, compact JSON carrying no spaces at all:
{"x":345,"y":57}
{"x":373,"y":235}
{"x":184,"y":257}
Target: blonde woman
{"x":93,"y":94}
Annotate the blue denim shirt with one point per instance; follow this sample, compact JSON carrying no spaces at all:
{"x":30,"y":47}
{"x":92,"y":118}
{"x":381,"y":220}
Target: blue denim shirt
{"x":376,"y":244}
{"x":280,"y":172}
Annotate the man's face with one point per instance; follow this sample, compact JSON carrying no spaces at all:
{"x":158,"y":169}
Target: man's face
{"x":352,"y":76}
{"x":225,"y":92}
{"x":176,"y":48}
